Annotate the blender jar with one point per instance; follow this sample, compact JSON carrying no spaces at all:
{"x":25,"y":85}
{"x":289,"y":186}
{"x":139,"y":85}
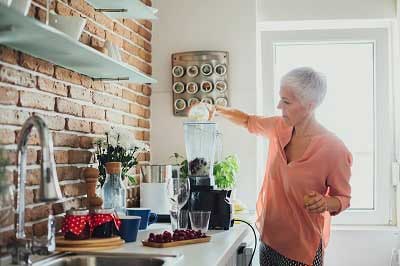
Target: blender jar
{"x":200,"y":141}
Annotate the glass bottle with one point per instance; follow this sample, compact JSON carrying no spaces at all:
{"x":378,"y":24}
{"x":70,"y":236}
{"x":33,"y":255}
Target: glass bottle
{"x":114,"y":190}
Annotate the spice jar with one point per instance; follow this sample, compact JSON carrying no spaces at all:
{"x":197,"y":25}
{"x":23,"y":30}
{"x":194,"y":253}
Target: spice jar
{"x":76,"y":224}
{"x":105,"y":223}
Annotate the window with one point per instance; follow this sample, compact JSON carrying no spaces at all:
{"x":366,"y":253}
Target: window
{"x":357,"y":107}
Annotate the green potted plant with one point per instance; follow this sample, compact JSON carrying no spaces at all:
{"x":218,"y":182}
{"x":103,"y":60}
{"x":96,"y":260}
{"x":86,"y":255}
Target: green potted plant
{"x":118,"y":146}
{"x":224,"y":171}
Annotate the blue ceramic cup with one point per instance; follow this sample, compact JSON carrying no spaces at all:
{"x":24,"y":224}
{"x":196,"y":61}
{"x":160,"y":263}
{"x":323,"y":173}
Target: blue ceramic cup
{"x":129,"y":227}
{"x":148,"y":217}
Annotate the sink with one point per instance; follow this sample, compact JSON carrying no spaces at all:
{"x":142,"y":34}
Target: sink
{"x":106,"y":259}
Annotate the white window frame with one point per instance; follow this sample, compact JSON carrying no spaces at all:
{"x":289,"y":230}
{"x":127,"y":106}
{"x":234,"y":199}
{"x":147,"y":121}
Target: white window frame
{"x":351,"y":217}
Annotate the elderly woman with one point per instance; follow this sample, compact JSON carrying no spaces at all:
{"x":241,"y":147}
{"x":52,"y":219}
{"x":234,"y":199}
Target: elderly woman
{"x":307,"y":174}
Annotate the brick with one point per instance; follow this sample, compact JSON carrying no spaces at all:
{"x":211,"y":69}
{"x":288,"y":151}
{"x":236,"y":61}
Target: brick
{"x":7,"y":217}
{"x":147,"y":113}
{"x":40,"y":229}
{"x":94,"y":29}
{"x":104,"y":20}
{"x":36,"y":213}
{"x":36,"y":64}
{"x":80,"y":156}
{"x":63,"y":9}
{"x":131,"y":25}
{"x":74,"y":190}
{"x":32,"y":157}
{"x":137,"y":110}
{"x":54,"y":122}
{"x":114,"y":117}
{"x":40,"y":15}
{"x":144,"y":123}
{"x":8,"y":55}
{"x":32,"y":177}
{"x":78,"y":125}
{"x":38,"y":101}
{"x":98,"y":44}
{"x":62,"y":207}
{"x":85,"y":38}
{"x":31,"y":196}
{"x":139,"y":135}
{"x":98,"y":85}
{"x":148,"y":156}
{"x":120,"y":105}
{"x":68,"y":173}
{"x":102,"y":100}
{"x":130,"y":48}
{"x":93,"y":112}
{"x":65,"y":140}
{"x":67,"y":75}
{"x":68,"y":107}
{"x":7,"y":237}
{"x":86,"y":81}
{"x":7,"y":136}
{"x":129,"y":95}
{"x":8,"y":95}
{"x":113,"y":89}
{"x":33,"y":138}
{"x":135,"y":87}
{"x":99,"y":128}
{"x":113,"y":38}
{"x":130,"y":121}
{"x":13,"y":117}
{"x":121,"y":30}
{"x":86,"y":142}
{"x":80,"y":93}
{"x":52,"y":86}
{"x":83,"y":7}
{"x":13,"y":76}
{"x":147,"y":47}
{"x":143,"y":100}
{"x":146,"y":135}
{"x":61,"y":156}
{"x":146,"y":90}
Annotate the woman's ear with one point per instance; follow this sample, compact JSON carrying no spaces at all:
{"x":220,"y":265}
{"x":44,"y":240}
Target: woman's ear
{"x":311,"y":106}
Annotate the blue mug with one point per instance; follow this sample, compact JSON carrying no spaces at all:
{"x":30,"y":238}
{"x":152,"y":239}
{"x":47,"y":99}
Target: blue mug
{"x":129,"y":227}
{"x":148,"y":217}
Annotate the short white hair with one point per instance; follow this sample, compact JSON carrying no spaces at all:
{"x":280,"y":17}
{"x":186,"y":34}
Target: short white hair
{"x":307,"y":84}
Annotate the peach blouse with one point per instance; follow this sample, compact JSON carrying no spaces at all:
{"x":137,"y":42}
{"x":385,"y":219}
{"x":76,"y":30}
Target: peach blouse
{"x":283,"y":222}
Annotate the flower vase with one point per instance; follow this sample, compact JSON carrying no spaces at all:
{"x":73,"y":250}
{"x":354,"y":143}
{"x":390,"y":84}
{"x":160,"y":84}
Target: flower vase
{"x":114,"y":190}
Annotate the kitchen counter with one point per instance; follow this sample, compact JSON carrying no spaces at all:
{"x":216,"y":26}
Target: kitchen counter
{"x":218,"y":251}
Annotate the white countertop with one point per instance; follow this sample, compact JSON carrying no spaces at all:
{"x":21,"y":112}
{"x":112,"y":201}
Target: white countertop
{"x":222,"y":246}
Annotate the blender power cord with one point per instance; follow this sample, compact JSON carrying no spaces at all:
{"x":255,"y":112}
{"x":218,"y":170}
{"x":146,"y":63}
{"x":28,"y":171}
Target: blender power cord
{"x":255,"y":237}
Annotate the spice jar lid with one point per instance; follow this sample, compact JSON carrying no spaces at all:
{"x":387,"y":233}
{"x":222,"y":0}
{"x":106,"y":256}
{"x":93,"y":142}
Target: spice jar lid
{"x":103,"y":211}
{"x":81,"y":211}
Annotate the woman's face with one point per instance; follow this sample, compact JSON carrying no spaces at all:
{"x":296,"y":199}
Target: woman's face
{"x":293,"y":111}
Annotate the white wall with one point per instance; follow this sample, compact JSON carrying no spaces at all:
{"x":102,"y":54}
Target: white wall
{"x":227,"y":25}
{"x":324,"y":9}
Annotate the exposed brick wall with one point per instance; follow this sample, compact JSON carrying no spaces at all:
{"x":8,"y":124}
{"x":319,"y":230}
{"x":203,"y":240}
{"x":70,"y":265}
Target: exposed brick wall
{"x":76,"y":108}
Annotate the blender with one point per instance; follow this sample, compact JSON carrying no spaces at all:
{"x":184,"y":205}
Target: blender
{"x":200,"y":144}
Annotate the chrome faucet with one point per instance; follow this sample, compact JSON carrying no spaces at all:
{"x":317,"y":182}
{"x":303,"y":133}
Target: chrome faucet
{"x":49,"y":191}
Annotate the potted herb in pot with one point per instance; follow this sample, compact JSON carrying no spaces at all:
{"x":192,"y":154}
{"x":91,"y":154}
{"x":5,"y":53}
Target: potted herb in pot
{"x":225,"y":172}
{"x":116,"y":154}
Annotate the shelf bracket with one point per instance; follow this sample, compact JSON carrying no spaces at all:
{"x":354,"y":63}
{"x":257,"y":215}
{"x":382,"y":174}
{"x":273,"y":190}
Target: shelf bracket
{"x":111,"y":10}
{"x":112,"y":79}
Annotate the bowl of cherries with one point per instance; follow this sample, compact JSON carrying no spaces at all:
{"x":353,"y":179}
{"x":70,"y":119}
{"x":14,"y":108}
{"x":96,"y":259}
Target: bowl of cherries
{"x":176,"y":238}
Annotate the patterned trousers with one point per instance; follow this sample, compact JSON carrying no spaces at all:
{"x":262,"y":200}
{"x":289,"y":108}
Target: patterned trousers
{"x":269,"y":257}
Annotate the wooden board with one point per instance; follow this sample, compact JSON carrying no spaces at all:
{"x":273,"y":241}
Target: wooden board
{"x":88,"y":245}
{"x":176,"y":243}
{"x":64,"y":242}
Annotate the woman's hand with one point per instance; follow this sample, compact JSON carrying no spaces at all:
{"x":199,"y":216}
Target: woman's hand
{"x":315,"y":202}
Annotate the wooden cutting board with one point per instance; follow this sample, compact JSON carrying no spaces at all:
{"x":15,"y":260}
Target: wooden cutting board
{"x":176,"y":243}
{"x":88,"y":245}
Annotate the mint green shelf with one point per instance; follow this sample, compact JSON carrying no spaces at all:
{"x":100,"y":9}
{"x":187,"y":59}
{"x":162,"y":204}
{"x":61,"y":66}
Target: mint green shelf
{"x":127,"y":9}
{"x":40,"y":40}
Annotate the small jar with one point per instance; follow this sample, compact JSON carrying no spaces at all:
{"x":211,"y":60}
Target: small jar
{"x":105,"y":223}
{"x":76,"y":224}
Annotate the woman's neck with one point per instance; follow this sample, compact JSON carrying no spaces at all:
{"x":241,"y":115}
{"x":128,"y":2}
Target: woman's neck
{"x":307,"y":127}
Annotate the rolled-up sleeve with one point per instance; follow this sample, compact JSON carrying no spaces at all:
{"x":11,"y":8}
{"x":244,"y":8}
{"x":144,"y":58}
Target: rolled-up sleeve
{"x":261,"y":125}
{"x":338,"y":180}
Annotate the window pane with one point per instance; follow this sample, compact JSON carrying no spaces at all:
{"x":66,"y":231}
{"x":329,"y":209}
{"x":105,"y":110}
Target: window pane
{"x":348,"y":109}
